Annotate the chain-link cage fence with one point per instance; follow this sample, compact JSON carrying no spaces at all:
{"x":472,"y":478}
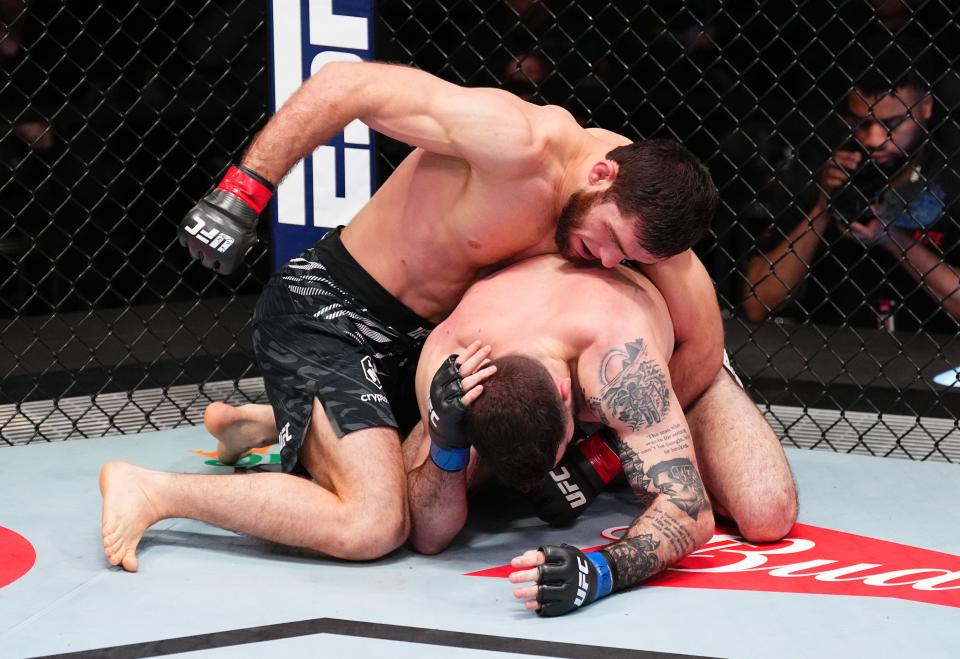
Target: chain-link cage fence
{"x":830,"y":128}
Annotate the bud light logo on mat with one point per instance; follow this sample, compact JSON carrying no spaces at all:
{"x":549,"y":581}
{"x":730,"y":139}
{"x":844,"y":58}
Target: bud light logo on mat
{"x":328,"y":187}
{"x":809,"y":560}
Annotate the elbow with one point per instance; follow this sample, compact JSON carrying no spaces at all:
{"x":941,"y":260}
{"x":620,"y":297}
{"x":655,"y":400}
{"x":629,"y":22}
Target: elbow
{"x":337,"y":69}
{"x":951,"y":304}
{"x":348,"y":77}
{"x":755,"y":310}
{"x":703,"y":528}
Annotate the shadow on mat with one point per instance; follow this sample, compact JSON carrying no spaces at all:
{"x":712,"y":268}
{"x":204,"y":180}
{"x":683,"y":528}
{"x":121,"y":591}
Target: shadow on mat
{"x":241,"y":545}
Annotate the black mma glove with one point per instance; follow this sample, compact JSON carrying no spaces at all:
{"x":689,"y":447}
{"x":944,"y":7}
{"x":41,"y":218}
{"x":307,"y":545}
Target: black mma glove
{"x":573,"y":484}
{"x":449,"y":449}
{"x":569,"y":578}
{"x":223,"y":225}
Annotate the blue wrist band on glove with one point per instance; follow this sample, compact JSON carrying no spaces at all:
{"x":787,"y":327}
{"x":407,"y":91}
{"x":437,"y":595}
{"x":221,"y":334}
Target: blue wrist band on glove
{"x":604,"y":577}
{"x":454,"y":459}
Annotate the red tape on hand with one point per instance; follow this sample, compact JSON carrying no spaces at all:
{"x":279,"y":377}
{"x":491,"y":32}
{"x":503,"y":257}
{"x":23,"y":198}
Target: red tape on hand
{"x":254,"y":193}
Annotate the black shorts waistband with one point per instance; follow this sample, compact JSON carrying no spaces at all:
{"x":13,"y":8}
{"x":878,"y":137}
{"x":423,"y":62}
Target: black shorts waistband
{"x":342,"y":267}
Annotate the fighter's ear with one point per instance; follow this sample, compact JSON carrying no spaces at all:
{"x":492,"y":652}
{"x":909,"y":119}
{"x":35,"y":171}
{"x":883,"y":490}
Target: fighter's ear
{"x":566,"y":389}
{"x":604,"y":172}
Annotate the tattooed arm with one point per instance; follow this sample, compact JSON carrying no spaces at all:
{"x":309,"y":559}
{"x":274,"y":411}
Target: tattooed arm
{"x":628,"y":387}
{"x":631,"y":393}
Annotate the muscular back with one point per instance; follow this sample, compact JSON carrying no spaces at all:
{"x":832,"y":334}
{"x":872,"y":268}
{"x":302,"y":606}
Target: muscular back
{"x":547,"y":307}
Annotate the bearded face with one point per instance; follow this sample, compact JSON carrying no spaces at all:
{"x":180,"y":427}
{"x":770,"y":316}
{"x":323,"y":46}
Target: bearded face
{"x":571,"y":218}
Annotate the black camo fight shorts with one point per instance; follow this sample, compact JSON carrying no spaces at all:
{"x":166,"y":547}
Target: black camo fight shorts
{"x":325,"y":329}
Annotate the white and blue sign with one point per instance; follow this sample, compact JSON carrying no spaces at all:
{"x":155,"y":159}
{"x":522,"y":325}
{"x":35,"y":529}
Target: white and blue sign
{"x":328,"y":187}
{"x":949,"y":378}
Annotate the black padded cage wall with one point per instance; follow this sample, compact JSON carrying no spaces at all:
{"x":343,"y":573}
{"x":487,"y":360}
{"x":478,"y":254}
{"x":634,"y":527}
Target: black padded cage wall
{"x":119,"y":116}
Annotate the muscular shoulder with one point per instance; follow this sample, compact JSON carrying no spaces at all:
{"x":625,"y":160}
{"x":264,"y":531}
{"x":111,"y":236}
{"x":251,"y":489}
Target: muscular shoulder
{"x":556,"y":136}
{"x":633,"y":304}
{"x":611,"y":303}
{"x":557,"y":132}
{"x":608,"y":136}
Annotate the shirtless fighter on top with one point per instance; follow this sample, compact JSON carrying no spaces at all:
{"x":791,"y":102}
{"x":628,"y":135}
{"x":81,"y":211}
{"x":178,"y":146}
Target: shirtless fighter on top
{"x":493,"y":179}
{"x":571,"y":343}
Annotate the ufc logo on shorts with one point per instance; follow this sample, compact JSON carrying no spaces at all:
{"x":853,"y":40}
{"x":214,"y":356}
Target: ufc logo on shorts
{"x":571,"y":492}
{"x":284,"y":435}
{"x":582,"y":583}
{"x":212,"y":237}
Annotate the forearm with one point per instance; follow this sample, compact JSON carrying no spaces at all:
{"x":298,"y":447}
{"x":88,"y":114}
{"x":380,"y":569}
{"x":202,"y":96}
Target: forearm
{"x":694,"y":365}
{"x":329,"y":100}
{"x":660,"y":537}
{"x":438,"y":506}
{"x":773,"y":277}
{"x":939,"y":279}
{"x":697,"y":325}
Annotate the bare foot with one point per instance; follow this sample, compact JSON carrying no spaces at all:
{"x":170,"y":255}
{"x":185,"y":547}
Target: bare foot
{"x":128,"y":511}
{"x":239,"y":430}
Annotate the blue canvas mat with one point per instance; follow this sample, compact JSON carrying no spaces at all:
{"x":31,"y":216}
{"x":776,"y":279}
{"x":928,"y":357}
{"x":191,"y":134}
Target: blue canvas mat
{"x":204,"y":591}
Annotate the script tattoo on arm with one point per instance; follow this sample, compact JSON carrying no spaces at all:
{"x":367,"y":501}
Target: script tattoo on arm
{"x":633,"y":470}
{"x":637,"y":396}
{"x":674,"y":439}
{"x":679,"y":537}
{"x":635,"y":559}
{"x":679,"y":481}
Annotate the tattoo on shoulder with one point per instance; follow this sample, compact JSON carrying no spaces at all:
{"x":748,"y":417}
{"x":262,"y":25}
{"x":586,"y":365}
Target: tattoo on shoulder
{"x":679,"y":481}
{"x":633,"y":470}
{"x":635,"y":558}
{"x":634,"y":388}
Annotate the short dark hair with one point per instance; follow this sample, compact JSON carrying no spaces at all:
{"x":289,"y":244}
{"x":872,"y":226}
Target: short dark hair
{"x":518,"y":422}
{"x":669,"y":189}
{"x":882,"y":66}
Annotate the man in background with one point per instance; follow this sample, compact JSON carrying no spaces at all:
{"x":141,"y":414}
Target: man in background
{"x":877,"y":243}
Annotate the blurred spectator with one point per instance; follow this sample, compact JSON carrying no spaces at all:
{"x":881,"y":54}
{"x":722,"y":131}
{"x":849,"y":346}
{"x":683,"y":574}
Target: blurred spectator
{"x":12,"y":15}
{"x":524,"y":75}
{"x":29,"y":128}
{"x":876,"y":243}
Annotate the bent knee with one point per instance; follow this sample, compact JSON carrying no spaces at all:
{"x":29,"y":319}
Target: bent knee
{"x":381,"y":542}
{"x":428,"y":548}
{"x":769,"y":523}
{"x":369,"y":534}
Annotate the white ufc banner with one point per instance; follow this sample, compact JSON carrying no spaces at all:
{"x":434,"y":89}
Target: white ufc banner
{"x":328,"y":187}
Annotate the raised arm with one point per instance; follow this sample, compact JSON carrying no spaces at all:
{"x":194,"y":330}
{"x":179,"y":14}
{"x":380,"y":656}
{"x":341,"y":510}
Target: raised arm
{"x":773,"y":277}
{"x":923,"y":260}
{"x":497,"y":133}
{"x":489,"y":128}
{"x":437,"y":481}
{"x":697,"y":325}
{"x":630,"y":391}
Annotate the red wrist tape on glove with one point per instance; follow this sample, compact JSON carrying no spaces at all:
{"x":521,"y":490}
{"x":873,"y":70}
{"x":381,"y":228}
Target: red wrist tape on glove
{"x":601,"y":457}
{"x":254,"y":193}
